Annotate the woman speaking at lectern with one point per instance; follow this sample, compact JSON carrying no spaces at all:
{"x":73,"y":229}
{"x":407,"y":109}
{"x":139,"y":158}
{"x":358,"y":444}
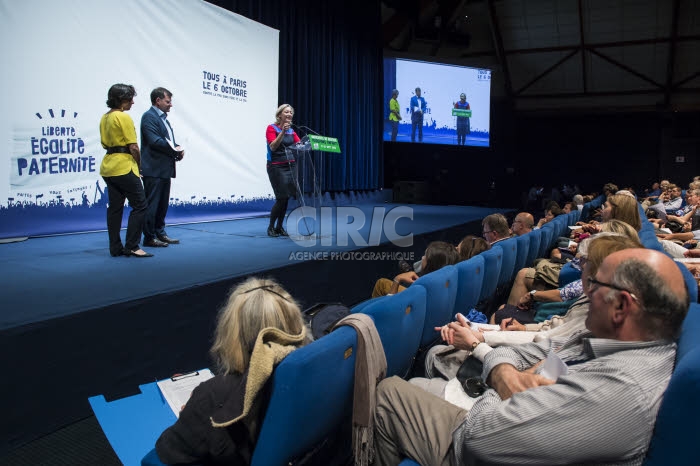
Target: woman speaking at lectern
{"x":280,"y":168}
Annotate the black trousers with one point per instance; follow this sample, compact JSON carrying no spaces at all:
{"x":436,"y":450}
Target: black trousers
{"x":394,"y":129}
{"x":417,"y":123}
{"x":120,"y":188}
{"x":158,"y":198}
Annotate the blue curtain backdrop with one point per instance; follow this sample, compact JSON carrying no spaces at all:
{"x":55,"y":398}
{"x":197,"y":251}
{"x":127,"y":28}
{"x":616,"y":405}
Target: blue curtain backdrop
{"x":331,"y":73}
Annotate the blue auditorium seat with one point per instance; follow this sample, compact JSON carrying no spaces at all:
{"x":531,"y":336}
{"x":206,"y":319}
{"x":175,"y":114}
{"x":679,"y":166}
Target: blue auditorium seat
{"x":690,"y":283}
{"x":408,"y":462}
{"x":591,"y":206}
{"x":535,"y":237}
{"x":492,"y":271}
{"x":360,"y":306}
{"x":523,"y":252}
{"x":560,"y":223}
{"x":399,"y":321}
{"x":547,"y":240}
{"x":510,"y":257}
{"x":647,"y":235}
{"x":312,"y":395}
{"x":676,"y":431}
{"x":470,"y":277}
{"x":574,"y":216}
{"x":441,"y":292}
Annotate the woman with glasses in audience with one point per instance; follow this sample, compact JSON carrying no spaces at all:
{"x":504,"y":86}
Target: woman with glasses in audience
{"x":259,"y":325}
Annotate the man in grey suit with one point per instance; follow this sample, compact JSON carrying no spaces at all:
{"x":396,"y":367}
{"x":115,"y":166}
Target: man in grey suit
{"x":159,"y":152}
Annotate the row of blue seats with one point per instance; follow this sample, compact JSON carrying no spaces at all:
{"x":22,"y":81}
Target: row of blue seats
{"x":312,"y":388}
{"x":405,"y":323}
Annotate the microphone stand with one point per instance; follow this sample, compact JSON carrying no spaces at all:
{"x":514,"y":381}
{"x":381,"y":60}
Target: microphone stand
{"x":316,"y":187}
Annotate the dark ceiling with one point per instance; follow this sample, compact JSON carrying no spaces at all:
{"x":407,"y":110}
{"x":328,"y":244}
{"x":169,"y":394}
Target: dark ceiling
{"x":560,"y":54}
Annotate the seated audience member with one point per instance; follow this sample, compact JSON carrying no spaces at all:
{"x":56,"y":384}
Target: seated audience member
{"x":443,"y":362}
{"x":525,"y":307}
{"x":552,"y":210}
{"x":677,"y":221}
{"x":691,"y":222}
{"x":609,"y":189}
{"x":522,"y":224}
{"x":438,"y":254}
{"x":568,"y":207}
{"x":259,"y":325}
{"x":470,"y":246}
{"x":602,"y":411}
{"x":578,"y":201}
{"x":611,"y":226}
{"x":672,"y":199}
{"x":619,"y":207}
{"x":654,"y":191}
{"x":495,"y":228}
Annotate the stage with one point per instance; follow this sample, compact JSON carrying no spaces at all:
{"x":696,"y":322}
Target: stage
{"x":76,"y":322}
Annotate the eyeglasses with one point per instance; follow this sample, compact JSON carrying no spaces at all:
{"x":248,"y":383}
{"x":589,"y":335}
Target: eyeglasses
{"x":592,"y":281}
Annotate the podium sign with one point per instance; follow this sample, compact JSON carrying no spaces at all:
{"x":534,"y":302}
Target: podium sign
{"x":461,"y":112}
{"x":324,"y":143}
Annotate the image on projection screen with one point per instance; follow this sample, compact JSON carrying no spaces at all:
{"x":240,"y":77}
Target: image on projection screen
{"x":437,"y":103}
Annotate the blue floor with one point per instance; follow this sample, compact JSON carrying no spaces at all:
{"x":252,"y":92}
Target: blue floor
{"x":49,"y":277}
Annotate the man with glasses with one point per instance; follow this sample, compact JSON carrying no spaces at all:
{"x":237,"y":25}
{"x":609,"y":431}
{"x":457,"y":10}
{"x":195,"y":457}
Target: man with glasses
{"x":600,"y":409}
{"x":495,"y":228}
{"x":522,"y":223}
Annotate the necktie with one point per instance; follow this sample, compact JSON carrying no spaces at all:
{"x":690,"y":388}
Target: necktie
{"x":168,"y":127}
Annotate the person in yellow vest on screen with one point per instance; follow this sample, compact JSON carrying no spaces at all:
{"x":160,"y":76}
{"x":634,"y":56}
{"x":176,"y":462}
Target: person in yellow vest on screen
{"x":394,"y":114}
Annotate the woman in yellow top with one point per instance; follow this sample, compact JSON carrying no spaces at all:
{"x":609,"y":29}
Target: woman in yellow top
{"x":120,"y":170}
{"x":394,"y":114}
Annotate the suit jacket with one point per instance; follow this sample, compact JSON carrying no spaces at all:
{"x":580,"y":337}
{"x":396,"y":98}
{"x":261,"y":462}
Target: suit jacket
{"x":157,"y":157}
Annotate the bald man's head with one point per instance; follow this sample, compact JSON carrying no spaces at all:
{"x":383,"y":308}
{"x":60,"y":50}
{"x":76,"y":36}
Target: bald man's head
{"x":523,"y":223}
{"x":656,"y":284}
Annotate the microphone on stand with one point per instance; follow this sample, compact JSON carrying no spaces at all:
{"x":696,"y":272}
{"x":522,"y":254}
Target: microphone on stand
{"x":304,"y":142}
{"x":304,"y":127}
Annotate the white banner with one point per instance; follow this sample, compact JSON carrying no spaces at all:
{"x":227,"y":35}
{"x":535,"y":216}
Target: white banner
{"x":60,"y":58}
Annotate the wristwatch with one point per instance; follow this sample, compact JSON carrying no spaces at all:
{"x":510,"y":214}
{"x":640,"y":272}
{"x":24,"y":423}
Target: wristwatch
{"x":532,"y":294}
{"x":475,"y":344}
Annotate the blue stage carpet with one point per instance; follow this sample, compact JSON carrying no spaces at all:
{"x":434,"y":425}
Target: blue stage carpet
{"x":76,"y":322}
{"x":49,"y":277}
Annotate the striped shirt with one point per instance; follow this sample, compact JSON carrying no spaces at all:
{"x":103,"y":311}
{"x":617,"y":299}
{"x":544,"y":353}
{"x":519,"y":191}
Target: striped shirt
{"x":603,"y":411}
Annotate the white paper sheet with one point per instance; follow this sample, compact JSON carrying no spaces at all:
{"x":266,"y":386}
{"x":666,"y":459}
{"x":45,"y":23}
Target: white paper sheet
{"x":178,"y":389}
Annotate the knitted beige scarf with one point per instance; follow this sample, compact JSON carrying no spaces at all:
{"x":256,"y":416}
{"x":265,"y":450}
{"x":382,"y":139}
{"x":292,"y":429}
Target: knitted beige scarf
{"x":370,"y":369}
{"x":271,"y":347}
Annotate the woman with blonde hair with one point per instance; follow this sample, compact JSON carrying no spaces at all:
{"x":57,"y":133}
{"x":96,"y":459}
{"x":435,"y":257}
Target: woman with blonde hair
{"x":259,"y":325}
{"x":621,"y":207}
{"x":281,"y":168}
{"x":621,"y":228}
